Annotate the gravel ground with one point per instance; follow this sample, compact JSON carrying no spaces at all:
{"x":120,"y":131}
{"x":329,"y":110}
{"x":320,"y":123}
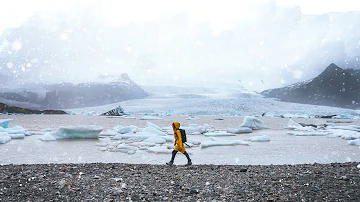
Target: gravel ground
{"x":139,"y":182}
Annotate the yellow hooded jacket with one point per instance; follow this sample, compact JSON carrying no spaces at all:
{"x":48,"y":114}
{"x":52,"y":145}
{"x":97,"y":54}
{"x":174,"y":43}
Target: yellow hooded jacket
{"x":179,"y":145}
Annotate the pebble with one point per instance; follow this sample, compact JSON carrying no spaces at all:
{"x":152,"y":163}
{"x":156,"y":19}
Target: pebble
{"x":125,"y":182}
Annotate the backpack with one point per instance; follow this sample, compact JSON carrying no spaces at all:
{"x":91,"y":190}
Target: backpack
{"x":183,"y":135}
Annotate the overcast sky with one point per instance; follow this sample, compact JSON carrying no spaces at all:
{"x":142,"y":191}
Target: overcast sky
{"x":256,"y":64}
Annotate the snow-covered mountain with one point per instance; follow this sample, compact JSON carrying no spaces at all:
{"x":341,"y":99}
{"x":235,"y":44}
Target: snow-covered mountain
{"x":69,"y":95}
{"x":333,"y":87}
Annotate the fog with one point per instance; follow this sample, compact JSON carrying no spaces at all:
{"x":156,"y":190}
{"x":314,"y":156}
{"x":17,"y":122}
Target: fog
{"x":255,"y":44}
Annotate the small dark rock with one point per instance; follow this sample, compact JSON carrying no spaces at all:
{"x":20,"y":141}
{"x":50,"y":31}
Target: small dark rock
{"x":243,"y":170}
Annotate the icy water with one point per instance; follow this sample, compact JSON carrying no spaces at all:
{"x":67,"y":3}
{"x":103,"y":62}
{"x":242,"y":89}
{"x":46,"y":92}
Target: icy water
{"x":282,"y":149}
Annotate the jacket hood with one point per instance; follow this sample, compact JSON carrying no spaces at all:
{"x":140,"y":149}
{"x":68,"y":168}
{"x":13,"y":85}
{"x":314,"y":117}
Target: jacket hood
{"x":176,"y":125}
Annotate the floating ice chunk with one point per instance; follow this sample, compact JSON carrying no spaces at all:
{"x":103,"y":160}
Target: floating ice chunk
{"x":17,"y":136}
{"x":188,"y":145}
{"x":160,"y":150}
{"x":49,"y":129}
{"x":220,"y":133}
{"x":220,"y":142}
{"x":194,"y":142}
{"x":292,"y":125}
{"x":310,"y":133}
{"x":263,"y":138}
{"x":129,"y":117}
{"x":143,"y":144}
{"x":194,"y":129}
{"x":239,"y":130}
{"x":4,"y":139}
{"x":295,"y":116}
{"x":75,"y":132}
{"x":139,"y":135}
{"x":355,"y":126}
{"x":192,"y":118}
{"x":151,"y":129}
{"x":358,"y":166}
{"x":15,"y":130}
{"x":344,"y":116}
{"x":108,"y":133}
{"x":354,"y":142}
{"x":253,"y":123}
{"x":156,"y":140}
{"x":124,"y":149}
{"x":125,"y":129}
{"x":48,"y":137}
{"x":347,"y":134}
{"x":103,"y":149}
{"x":4,"y":123}
{"x":352,"y":128}
{"x":3,"y":133}
{"x":150,"y":118}
{"x":104,"y":144}
{"x":154,"y":126}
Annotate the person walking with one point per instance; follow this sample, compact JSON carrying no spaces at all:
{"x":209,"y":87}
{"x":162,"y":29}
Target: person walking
{"x":179,"y":145}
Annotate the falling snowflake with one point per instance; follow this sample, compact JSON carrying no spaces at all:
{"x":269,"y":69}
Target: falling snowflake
{"x":10,"y":65}
{"x":16,"y":45}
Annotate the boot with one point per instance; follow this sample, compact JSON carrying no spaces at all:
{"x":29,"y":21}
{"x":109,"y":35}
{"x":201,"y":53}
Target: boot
{"x":188,"y":158}
{"x":171,"y":162}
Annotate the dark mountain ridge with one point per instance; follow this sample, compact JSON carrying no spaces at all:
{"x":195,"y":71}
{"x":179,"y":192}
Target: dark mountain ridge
{"x":333,"y":87}
{"x":68,"y":95}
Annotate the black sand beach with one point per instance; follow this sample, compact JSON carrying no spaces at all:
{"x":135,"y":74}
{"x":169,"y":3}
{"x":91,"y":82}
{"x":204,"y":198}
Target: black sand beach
{"x":131,"y":182}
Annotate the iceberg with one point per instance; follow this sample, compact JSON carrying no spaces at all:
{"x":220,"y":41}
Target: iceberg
{"x":253,"y":123}
{"x":220,"y":133}
{"x":354,"y":142}
{"x":118,"y":111}
{"x":263,"y":138}
{"x":74,"y":132}
{"x":4,"y":123}
{"x":4,"y":139}
{"x":239,"y":130}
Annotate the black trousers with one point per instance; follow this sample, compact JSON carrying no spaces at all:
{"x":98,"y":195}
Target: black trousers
{"x":174,"y":154}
